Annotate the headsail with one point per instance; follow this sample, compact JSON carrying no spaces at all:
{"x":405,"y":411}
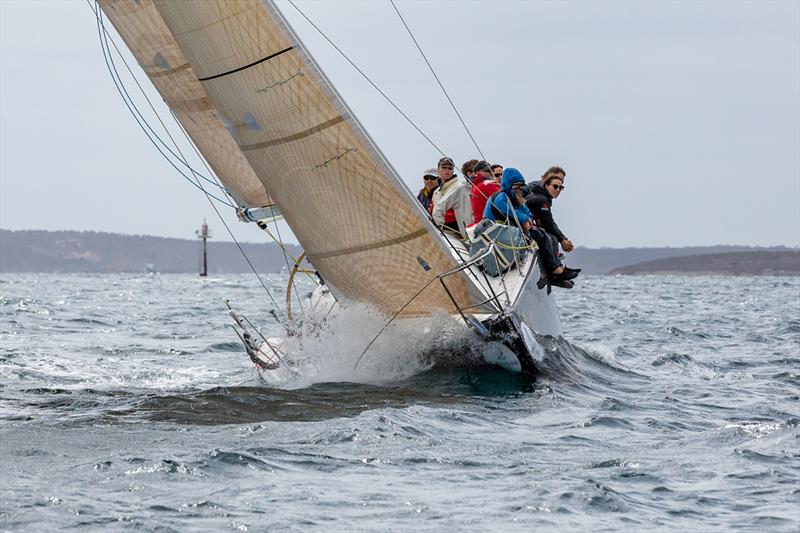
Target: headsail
{"x":358,"y":223}
{"x":151,"y":42}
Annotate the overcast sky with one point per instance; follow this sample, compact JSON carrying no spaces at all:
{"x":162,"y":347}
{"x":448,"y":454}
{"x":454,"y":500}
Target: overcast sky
{"x":678,"y":122}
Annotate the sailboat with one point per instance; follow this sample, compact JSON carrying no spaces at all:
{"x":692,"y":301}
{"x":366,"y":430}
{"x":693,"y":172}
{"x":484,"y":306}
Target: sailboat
{"x":285,"y":145}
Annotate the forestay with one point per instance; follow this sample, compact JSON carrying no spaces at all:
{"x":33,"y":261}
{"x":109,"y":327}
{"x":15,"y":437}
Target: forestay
{"x":358,"y":224}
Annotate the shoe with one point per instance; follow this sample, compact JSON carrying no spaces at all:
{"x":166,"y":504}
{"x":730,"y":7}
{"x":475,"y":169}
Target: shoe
{"x":567,"y":274}
{"x":576,"y":270}
{"x":544,"y":282}
{"x":563,"y":283}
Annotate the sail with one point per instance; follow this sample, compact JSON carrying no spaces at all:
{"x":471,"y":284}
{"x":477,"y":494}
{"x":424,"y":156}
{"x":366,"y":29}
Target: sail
{"x":144,"y":32}
{"x":359,"y":225}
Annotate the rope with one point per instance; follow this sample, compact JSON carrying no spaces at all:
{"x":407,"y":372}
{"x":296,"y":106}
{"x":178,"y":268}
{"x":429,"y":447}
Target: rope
{"x":103,"y":33}
{"x":291,"y":2}
{"x":506,"y":247}
{"x":437,"y":78}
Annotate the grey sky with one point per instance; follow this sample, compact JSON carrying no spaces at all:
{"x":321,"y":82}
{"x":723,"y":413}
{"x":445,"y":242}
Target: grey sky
{"x":678,"y":122}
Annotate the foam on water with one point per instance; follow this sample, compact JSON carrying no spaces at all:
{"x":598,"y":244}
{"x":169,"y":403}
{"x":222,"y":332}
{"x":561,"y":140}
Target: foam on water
{"x":341,"y":348}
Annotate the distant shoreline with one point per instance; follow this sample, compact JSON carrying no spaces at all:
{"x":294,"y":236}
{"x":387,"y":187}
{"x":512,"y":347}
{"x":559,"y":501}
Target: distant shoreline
{"x":100,"y":252}
{"x":777,"y":263}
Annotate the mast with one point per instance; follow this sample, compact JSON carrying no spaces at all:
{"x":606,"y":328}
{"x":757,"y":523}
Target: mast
{"x":204,"y":235}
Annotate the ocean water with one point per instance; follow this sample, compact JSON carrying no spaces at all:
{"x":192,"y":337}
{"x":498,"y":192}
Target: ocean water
{"x":127,"y":403}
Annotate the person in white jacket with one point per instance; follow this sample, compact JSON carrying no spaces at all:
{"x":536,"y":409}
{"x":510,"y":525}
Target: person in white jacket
{"x":451,"y":204}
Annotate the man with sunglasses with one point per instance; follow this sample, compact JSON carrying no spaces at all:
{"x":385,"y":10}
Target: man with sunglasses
{"x":451,"y":207}
{"x":508,"y":206}
{"x":430,"y":182}
{"x":497,"y":172}
{"x":540,"y":201}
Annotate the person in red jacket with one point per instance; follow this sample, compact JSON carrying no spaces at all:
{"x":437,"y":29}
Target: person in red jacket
{"x":467,"y":170}
{"x":483,"y":187}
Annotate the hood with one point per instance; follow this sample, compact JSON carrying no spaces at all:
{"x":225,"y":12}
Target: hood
{"x":510,"y":177}
{"x":536,"y":187}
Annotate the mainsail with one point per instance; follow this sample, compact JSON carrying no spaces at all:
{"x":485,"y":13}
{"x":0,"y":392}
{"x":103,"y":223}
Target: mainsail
{"x":235,"y":74}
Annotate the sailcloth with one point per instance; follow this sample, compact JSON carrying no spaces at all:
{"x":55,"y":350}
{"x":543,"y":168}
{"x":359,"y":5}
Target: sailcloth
{"x":239,"y":63}
{"x":144,"y":32}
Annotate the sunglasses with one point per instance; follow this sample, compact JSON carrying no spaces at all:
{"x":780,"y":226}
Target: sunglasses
{"x":558,"y":187}
{"x":498,"y":175}
{"x":430,"y":178}
{"x":446,"y":167}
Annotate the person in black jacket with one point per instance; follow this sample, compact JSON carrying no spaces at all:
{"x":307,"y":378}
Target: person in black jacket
{"x":540,"y":202}
{"x":552,"y":171}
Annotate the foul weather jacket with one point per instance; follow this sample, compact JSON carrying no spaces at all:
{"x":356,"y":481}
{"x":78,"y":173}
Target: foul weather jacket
{"x":451,"y":204}
{"x":482,"y":189}
{"x":425,"y":197}
{"x":502,"y":200}
{"x":540,"y":203}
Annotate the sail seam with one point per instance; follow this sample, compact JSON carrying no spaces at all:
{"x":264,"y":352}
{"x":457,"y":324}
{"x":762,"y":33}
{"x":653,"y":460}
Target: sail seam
{"x":254,"y":63}
{"x":297,"y":136}
{"x":366,"y":247}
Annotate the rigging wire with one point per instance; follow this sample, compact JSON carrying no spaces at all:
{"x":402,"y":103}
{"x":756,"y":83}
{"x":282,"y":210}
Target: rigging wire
{"x":202,"y":159}
{"x":286,"y":260}
{"x":105,"y":38}
{"x":131,"y":106}
{"x":437,"y":78}
{"x":106,"y":50}
{"x":278,"y":240}
{"x":446,"y":240}
{"x":291,"y":2}
{"x":384,"y":94}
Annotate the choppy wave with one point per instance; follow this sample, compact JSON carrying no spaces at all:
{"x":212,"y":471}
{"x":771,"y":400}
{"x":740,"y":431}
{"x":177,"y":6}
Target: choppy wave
{"x":126,"y":402}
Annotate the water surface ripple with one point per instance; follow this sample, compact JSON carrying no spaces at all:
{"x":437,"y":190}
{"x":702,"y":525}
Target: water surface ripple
{"x":126,"y":403}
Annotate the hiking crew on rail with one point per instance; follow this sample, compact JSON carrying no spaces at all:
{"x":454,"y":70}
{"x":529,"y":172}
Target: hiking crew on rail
{"x":457,"y":205}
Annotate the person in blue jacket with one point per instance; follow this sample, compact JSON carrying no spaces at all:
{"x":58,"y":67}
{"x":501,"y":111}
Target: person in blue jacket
{"x":508,"y":206}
